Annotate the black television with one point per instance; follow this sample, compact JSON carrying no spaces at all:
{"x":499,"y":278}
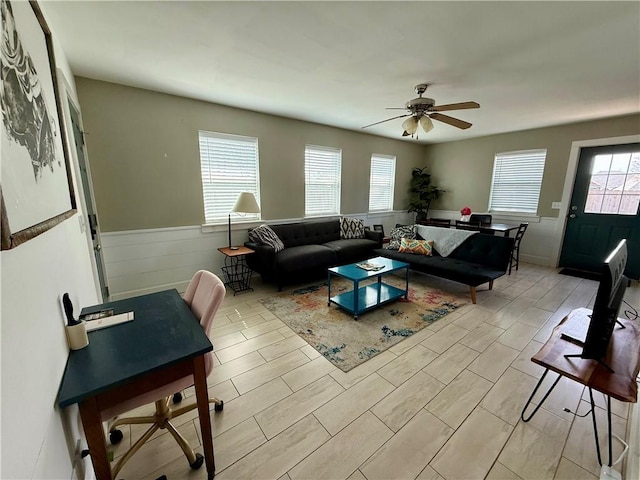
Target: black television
{"x":607,"y":304}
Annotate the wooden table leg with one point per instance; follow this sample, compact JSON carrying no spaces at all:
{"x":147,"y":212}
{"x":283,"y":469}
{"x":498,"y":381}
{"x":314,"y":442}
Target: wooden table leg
{"x":202,"y":396}
{"x":92,"y":424}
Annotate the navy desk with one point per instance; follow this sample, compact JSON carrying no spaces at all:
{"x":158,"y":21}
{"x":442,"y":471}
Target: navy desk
{"x":163,"y":343}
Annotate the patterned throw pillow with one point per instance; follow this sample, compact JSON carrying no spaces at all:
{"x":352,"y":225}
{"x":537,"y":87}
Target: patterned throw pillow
{"x":264,"y":235}
{"x":351,"y":228}
{"x":398,"y":233}
{"x":420,"y":247}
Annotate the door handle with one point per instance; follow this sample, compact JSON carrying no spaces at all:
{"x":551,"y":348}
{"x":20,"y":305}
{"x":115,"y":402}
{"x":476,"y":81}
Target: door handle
{"x":97,"y":248}
{"x":573,"y":215}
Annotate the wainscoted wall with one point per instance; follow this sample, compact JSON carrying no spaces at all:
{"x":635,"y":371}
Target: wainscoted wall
{"x":145,"y":261}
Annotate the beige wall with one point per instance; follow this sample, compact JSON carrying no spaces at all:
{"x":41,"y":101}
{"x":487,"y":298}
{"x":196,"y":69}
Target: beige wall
{"x":464,"y":168}
{"x":144,"y":158}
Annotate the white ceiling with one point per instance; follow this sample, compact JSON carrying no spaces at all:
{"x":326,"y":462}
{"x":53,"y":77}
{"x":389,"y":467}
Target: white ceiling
{"x":528,"y":64}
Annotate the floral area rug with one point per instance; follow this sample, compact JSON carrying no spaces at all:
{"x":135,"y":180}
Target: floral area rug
{"x":346,"y":342}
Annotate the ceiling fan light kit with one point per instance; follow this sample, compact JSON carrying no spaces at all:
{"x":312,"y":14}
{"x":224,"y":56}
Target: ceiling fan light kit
{"x":422,"y":110}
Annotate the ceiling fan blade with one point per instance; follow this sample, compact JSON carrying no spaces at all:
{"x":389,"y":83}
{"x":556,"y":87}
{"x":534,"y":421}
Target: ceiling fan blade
{"x":454,"y":106}
{"x":396,"y":108}
{"x":450,"y":120}
{"x":382,"y":121}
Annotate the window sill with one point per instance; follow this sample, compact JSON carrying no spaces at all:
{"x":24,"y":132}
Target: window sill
{"x":235,"y":225}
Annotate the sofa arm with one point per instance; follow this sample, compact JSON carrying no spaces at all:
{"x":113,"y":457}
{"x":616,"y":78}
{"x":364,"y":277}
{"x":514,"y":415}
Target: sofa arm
{"x":263,"y":260}
{"x":375,"y":236}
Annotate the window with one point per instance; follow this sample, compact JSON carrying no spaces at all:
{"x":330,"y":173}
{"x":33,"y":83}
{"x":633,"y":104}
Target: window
{"x":614,"y":186}
{"x":322,"y":168}
{"x":229,"y":166}
{"x":517,"y":178}
{"x":381,"y":182}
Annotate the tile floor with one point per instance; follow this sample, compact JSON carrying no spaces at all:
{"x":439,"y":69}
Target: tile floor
{"x":443,"y":404}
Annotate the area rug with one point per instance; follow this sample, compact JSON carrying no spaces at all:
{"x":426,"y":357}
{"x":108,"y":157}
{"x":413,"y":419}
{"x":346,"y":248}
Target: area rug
{"x":346,"y":342}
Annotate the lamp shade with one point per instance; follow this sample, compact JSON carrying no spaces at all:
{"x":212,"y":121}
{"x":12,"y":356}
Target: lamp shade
{"x":410,"y":125}
{"x":426,"y":123}
{"x":246,"y":203}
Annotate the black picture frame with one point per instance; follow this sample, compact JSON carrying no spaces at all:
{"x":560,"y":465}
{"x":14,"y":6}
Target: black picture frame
{"x":378,"y":228}
{"x":34,"y":145}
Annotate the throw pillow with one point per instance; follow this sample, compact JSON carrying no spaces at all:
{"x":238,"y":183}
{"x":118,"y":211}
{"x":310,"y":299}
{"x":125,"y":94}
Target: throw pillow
{"x":420,"y":247}
{"x":398,"y":233}
{"x":264,"y":235}
{"x":351,"y":228}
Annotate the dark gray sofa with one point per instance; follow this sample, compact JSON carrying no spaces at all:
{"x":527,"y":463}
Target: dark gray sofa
{"x":310,"y":248}
{"x":479,"y":259}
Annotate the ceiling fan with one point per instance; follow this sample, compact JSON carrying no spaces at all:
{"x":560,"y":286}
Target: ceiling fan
{"x":422,"y":110}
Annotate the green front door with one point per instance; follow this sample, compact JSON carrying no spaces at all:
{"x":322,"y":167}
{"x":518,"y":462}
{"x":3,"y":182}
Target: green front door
{"x":604,"y":208}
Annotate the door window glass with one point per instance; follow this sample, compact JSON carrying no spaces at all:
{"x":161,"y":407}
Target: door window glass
{"x":614,"y":186}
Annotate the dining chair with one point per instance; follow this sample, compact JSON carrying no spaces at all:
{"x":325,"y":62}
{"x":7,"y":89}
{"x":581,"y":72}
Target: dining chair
{"x":204,"y":296}
{"x":480,"y":218}
{"x":515,"y":252}
{"x":460,"y":225}
{"x":438,"y":222}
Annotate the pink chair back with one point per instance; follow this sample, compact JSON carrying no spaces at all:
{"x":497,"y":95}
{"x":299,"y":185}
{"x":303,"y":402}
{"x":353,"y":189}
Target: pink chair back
{"x":204,"y":295}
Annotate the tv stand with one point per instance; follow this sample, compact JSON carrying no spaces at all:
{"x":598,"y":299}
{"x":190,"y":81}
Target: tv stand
{"x":614,"y":376}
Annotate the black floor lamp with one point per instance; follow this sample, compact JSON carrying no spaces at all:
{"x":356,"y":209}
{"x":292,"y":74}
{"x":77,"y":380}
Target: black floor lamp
{"x":246,"y":203}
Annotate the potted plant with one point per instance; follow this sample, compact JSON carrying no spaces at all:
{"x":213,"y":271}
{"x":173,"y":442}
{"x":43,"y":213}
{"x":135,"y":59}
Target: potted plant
{"x":421,"y":193}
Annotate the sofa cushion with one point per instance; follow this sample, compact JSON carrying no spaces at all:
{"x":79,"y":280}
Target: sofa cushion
{"x":308,"y":233}
{"x":415,"y":246}
{"x":469,"y":273}
{"x":398,"y":233}
{"x":264,"y":235}
{"x":491,"y":251}
{"x":291,"y":259}
{"x":353,"y":250}
{"x":351,"y":228}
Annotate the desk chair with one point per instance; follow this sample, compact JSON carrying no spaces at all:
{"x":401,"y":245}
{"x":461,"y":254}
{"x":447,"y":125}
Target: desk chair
{"x":204,"y":296}
{"x":515,"y":253}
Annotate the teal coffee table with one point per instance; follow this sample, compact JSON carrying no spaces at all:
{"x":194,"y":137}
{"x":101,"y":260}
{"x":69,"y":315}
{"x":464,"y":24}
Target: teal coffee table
{"x":370,"y":296}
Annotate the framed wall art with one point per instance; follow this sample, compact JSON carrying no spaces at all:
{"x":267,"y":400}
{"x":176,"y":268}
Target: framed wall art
{"x":36,"y":188}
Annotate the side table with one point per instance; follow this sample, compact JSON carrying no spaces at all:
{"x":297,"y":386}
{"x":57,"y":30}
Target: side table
{"x":617,"y":381}
{"x":237,"y":275}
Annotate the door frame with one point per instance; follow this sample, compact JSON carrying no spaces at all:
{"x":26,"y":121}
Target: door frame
{"x":68,"y":95}
{"x":569,"y":182}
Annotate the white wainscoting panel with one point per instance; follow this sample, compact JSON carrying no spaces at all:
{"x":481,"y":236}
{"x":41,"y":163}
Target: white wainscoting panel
{"x":145,"y":261}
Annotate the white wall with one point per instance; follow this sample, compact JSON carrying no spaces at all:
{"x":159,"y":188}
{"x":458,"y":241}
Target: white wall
{"x":38,"y":440}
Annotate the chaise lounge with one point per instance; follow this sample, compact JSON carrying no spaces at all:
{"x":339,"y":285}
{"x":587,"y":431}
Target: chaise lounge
{"x":479,"y":259}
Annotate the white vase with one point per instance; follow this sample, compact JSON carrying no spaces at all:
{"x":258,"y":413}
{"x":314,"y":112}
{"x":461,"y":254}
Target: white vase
{"x":465,"y":218}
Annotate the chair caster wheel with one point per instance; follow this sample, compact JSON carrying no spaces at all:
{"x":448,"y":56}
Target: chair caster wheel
{"x":177,"y":397}
{"x":115,"y":437}
{"x":219,"y":406}
{"x":197,"y":463}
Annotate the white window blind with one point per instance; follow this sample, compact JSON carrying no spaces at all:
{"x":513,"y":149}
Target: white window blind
{"x":229,"y":166}
{"x":517,"y":178}
{"x":322,"y":171}
{"x":381,"y":182}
